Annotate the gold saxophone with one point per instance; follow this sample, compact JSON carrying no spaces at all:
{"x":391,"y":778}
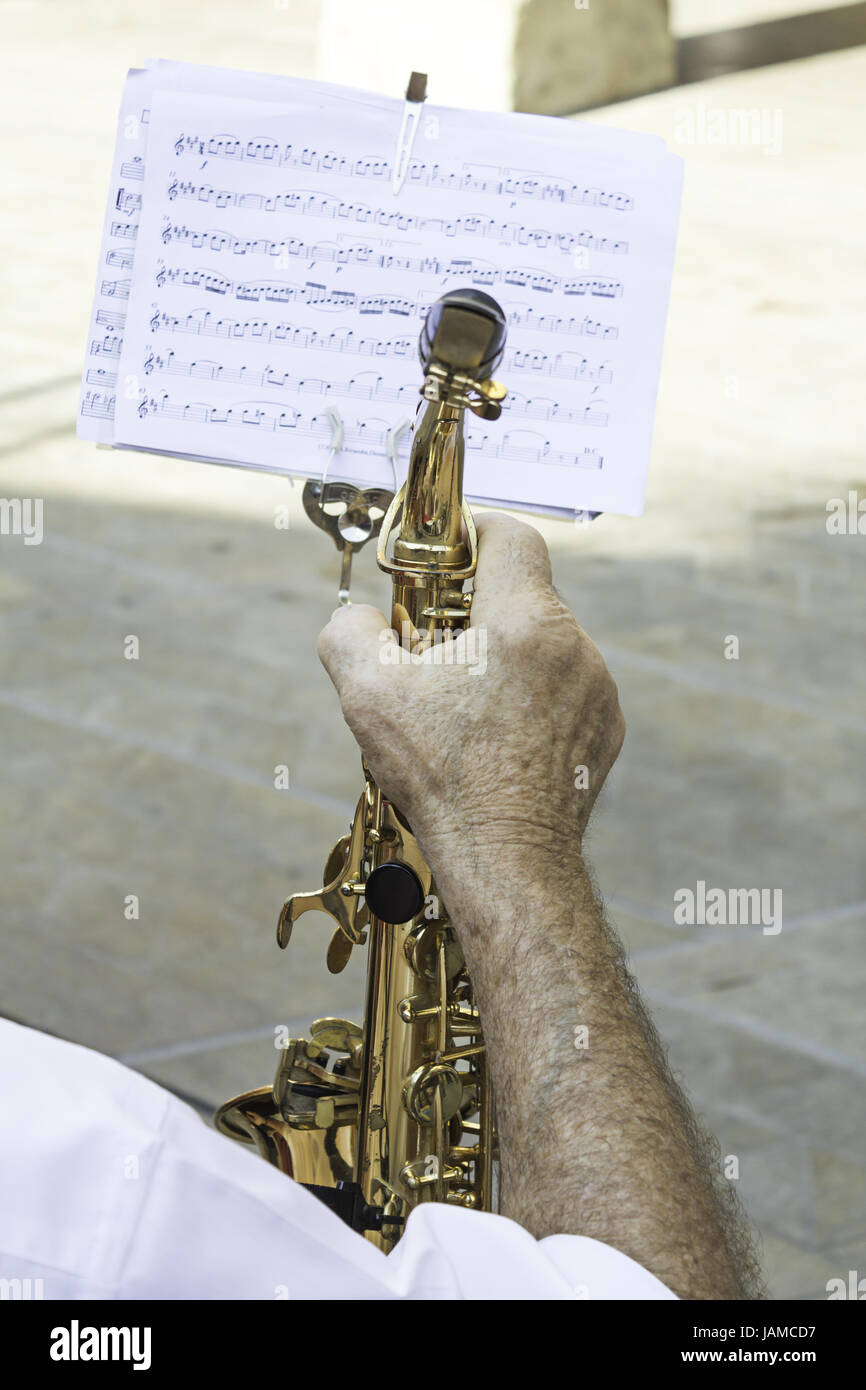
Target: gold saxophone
{"x":375,"y":1119}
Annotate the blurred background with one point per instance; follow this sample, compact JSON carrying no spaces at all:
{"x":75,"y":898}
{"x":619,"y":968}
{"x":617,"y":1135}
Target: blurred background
{"x":155,"y":777}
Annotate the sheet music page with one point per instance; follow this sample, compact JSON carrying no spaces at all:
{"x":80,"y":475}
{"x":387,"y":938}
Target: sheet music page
{"x":114,"y":271}
{"x":123,"y":212}
{"x":277,"y":274}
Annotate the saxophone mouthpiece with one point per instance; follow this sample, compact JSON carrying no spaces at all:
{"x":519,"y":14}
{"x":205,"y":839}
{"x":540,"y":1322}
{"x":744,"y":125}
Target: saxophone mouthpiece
{"x":464,"y":333}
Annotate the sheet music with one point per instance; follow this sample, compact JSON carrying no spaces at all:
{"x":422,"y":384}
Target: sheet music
{"x":275,"y":274}
{"x":122,"y":216}
{"x":114,"y":271}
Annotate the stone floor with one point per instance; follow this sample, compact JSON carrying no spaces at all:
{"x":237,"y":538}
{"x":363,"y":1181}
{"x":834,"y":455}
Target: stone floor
{"x":155,"y":777}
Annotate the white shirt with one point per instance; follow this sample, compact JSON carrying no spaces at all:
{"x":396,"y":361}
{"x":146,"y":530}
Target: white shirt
{"x":112,"y":1188}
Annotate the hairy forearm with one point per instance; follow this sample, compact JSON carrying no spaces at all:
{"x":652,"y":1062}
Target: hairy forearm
{"x":596,"y":1139}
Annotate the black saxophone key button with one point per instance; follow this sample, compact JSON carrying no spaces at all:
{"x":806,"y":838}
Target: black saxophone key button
{"x":394,"y":893}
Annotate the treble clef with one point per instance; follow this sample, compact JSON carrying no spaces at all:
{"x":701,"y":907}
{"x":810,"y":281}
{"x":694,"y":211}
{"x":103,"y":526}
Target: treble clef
{"x":142,"y":408}
{"x":154,"y":322}
{"x":166,"y":232}
{"x":160,"y":276}
{"x":148,"y":362}
{"x":172,"y":187}
{"x":178,"y":144}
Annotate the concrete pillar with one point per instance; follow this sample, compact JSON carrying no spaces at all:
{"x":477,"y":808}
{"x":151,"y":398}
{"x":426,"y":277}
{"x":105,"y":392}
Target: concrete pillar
{"x":570,"y":54}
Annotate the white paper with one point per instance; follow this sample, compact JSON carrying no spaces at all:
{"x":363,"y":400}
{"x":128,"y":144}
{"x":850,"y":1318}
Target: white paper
{"x":276,"y":274}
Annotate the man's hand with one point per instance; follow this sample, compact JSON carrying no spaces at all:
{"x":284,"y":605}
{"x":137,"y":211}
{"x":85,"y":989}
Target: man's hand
{"x":512,"y":731}
{"x":488,"y":767}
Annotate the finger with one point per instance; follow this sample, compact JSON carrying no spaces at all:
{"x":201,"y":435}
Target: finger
{"x":406,"y":629}
{"x":408,"y":635}
{"x":512,"y":558}
{"x":352,"y":642}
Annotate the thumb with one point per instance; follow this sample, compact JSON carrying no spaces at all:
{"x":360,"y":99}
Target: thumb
{"x":351,"y":643}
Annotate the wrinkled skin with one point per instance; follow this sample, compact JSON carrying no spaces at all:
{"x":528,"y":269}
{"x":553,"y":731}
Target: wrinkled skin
{"x":464,"y":750}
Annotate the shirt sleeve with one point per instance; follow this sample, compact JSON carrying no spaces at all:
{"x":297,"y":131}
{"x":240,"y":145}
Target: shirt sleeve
{"x":114,"y":1189}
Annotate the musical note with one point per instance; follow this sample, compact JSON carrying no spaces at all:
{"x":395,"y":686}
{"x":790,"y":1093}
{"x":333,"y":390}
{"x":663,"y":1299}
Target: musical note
{"x":107,"y":347}
{"x":98,"y":405}
{"x":122,"y":260}
{"x":127,"y":202}
{"x":98,"y":376}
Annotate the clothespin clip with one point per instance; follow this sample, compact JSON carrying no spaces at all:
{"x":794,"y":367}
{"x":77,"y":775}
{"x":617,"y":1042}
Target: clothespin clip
{"x":336,"y":423}
{"x":353,"y":525}
{"x":416,"y":95}
{"x":393,"y":446}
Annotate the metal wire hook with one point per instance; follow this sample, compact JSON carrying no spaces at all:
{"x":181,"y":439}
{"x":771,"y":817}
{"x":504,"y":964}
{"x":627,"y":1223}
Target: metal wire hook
{"x":336,"y":422}
{"x":393,"y":445}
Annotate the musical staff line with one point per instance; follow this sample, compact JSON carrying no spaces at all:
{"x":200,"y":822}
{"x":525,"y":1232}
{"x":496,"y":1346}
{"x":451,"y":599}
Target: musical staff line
{"x":306,"y":203}
{"x":201,"y":323}
{"x":519,"y":446}
{"x":126,"y":202}
{"x":115,"y":289}
{"x":505,"y":182}
{"x":121,"y":260}
{"x":109,"y":346}
{"x":316,"y":295}
{"x":96,"y":376}
{"x":368,"y":386}
{"x":363,"y":254}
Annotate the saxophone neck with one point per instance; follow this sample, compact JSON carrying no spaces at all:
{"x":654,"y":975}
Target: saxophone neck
{"x":431,"y":530}
{"x":462,"y":341}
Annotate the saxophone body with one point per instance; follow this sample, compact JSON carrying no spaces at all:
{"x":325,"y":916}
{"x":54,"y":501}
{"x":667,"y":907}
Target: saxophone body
{"x":379,"y":1117}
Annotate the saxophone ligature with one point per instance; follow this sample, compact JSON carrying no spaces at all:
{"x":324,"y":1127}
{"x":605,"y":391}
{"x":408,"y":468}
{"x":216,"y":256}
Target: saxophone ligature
{"x":379,"y":1117}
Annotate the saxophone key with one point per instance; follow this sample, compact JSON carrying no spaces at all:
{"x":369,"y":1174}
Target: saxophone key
{"x":413,"y":1010}
{"x":424,"y":1172}
{"x":434,"y":1086}
{"x":339,"y":952}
